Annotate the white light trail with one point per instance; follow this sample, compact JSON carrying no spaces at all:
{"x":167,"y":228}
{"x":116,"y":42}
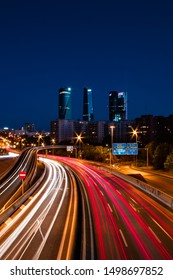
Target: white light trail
{"x":56,"y":177}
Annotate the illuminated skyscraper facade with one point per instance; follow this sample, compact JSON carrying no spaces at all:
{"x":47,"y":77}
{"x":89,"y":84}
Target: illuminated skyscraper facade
{"x":65,"y":103}
{"x":88,"y":111}
{"x":117,"y":106}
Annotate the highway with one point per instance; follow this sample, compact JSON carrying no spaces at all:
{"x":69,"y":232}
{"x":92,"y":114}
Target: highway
{"x":128,"y":224}
{"x":40,"y":228}
{"x":161,"y":181}
{"x":11,"y":184}
{"x":81,"y":211}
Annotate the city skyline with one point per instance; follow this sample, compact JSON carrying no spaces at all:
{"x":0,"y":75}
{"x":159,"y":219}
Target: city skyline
{"x":103,"y":45}
{"x":64,"y":108}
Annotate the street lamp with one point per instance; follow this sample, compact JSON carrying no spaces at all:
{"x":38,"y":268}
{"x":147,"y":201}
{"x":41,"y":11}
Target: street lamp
{"x":39,"y":139}
{"x":146,"y":148}
{"x":111,"y":127}
{"x":53,"y":141}
{"x":135,"y":133}
{"x":78,"y":140}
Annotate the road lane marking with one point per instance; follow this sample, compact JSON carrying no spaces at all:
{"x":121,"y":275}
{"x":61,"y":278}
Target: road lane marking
{"x":133,"y":200}
{"x":132,"y":207}
{"x":154,"y":235}
{"x":8,"y":221}
{"x":162,"y":229}
{"x":102,"y":193}
{"x":118,"y":192}
{"x":110,"y":208}
{"x":122,"y":235}
{"x":41,"y":232}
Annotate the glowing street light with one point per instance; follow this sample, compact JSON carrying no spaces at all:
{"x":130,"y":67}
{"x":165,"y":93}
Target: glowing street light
{"x":78,"y":140}
{"x":40,"y":136}
{"x":135,"y":134}
{"x":112,"y":128}
{"x":53,"y":141}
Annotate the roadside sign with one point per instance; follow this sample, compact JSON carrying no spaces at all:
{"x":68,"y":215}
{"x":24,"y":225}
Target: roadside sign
{"x":132,"y":148}
{"x":125,"y":148}
{"x":119,"y":148}
{"x":22,"y":174}
{"x":69,"y":148}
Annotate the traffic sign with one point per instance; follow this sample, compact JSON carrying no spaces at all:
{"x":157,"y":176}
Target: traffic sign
{"x":119,"y":148}
{"x":132,"y":148}
{"x":125,"y":148}
{"x":69,"y":148}
{"x":22,"y":174}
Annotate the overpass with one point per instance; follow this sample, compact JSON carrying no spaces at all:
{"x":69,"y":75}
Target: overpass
{"x":69,"y":148}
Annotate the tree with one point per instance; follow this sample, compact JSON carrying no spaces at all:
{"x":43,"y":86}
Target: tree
{"x":169,"y":161}
{"x":151,"y":149}
{"x":160,"y":155}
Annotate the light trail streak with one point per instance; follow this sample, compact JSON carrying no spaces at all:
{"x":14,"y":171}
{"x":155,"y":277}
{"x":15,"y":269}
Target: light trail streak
{"x":148,"y":243}
{"x":162,"y":229}
{"x":49,"y":187}
{"x":10,"y":155}
{"x":145,"y":202}
{"x":15,"y":174}
{"x":118,"y":230}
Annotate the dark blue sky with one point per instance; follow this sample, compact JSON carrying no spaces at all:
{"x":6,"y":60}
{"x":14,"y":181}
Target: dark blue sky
{"x":124,"y":45}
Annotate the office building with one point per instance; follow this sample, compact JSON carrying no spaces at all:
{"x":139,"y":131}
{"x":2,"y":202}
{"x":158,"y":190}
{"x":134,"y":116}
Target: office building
{"x":29,"y":127}
{"x":65,"y":103}
{"x":62,"y":131}
{"x":88,"y":114}
{"x":117,"y":106}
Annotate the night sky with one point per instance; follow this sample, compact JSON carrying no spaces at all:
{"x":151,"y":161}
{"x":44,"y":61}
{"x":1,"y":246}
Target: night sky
{"x":124,"y":45}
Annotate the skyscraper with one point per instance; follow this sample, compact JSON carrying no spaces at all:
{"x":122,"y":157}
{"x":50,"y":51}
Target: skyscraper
{"x":117,"y":106}
{"x":65,"y":103}
{"x":88,"y":111}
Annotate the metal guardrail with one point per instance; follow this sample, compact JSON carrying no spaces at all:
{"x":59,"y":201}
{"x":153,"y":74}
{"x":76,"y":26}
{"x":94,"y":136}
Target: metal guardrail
{"x":159,"y":195}
{"x":13,"y":207}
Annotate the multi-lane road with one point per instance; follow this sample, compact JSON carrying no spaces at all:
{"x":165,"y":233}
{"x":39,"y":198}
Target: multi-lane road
{"x":80,"y":211}
{"x":35,"y":231}
{"x":163,"y":181}
{"x":128,"y":224}
{"x":10,"y":183}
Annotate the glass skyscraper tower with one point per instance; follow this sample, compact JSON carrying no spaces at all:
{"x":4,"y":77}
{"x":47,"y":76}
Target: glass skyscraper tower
{"x":88,"y":111}
{"x":65,"y":103}
{"x":117,"y":106}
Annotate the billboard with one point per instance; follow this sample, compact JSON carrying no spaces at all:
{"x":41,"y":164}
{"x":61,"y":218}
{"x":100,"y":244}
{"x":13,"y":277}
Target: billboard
{"x":125,"y":148}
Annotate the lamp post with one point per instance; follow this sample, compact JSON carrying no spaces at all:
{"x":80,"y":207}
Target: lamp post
{"x":147,"y":155}
{"x":39,"y":139}
{"x":135,"y":133}
{"x":78,"y":139}
{"x":111,"y":127}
